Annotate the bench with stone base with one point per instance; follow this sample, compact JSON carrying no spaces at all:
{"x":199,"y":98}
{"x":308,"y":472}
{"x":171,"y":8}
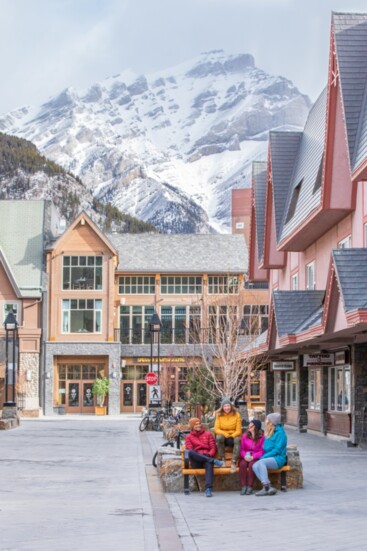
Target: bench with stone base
{"x":224,"y":471}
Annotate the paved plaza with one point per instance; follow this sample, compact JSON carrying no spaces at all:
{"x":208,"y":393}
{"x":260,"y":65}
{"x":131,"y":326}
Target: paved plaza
{"x":83,"y":484}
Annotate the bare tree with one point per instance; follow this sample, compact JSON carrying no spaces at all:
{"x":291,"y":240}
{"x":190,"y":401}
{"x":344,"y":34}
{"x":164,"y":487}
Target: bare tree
{"x":227,"y":363}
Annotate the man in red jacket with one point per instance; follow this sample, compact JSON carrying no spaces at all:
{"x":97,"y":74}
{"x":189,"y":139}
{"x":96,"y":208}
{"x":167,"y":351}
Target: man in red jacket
{"x":201,"y":448}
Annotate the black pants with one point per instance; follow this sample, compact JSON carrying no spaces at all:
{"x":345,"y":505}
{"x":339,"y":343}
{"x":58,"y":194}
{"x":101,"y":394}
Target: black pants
{"x":198,"y":461}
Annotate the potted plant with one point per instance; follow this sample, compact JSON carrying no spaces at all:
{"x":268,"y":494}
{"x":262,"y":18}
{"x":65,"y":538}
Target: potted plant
{"x":100,"y":390}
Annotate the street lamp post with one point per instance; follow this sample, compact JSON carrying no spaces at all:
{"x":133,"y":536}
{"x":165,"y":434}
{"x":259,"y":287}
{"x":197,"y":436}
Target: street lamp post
{"x":11,"y":328}
{"x":155,"y":327}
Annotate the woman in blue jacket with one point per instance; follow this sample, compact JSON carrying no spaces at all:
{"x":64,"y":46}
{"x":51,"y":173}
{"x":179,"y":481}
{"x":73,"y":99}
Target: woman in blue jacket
{"x":275,"y":453}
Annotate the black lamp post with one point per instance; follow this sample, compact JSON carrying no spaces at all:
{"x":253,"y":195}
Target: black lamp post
{"x":11,"y":328}
{"x":155,"y":327}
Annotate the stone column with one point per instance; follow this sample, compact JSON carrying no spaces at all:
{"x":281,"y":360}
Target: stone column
{"x":269,"y":404}
{"x":359,"y":393}
{"x":302,"y":376}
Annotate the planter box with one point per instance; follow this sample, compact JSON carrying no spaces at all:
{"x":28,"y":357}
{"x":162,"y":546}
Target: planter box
{"x":100,"y":410}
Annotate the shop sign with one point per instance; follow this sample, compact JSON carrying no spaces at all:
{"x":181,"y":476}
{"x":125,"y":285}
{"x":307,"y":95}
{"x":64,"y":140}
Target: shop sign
{"x":318,"y":360}
{"x":162,"y":360}
{"x":282,"y":366}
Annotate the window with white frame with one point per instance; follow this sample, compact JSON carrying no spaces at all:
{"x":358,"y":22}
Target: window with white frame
{"x":12,"y":307}
{"x":181,"y":285}
{"x":256,"y":318}
{"x":310,"y":276}
{"x":81,"y":316}
{"x":277,"y":389}
{"x":220,"y":285}
{"x":339,"y":388}
{"x":294,"y":282}
{"x":314,"y":389}
{"x":136,"y":285}
{"x":365,"y":235}
{"x":291,"y":389}
{"x":82,"y":272}
{"x":134,"y":324}
{"x":345,"y":243}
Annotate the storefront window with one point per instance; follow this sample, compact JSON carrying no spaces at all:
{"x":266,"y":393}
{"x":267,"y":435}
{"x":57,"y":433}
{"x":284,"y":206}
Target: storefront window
{"x":339,"y":388}
{"x":291,"y":389}
{"x":314,"y":389}
{"x":277,"y":389}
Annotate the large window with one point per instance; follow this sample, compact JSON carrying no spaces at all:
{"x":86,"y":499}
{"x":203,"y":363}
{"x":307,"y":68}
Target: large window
{"x":136,"y":285}
{"x":180,"y":324}
{"x":339,"y":388}
{"x":181,"y":285}
{"x":81,"y":316}
{"x":310,"y":276}
{"x":314,"y":389}
{"x":220,"y":285}
{"x":256,"y":318}
{"x":291,"y":389}
{"x":82,"y":272}
{"x":134,"y":324}
{"x":223,"y":323}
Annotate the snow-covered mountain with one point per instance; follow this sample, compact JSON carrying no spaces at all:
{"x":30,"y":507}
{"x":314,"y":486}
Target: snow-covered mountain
{"x":168,"y":147}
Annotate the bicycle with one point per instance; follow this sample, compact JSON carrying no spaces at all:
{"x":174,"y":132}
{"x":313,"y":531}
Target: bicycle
{"x":177,"y":439}
{"x":153,"y":418}
{"x":180,"y":418}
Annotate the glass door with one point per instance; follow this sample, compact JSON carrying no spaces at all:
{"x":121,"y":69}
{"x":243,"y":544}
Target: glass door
{"x":134,"y":396}
{"x":79,"y":398}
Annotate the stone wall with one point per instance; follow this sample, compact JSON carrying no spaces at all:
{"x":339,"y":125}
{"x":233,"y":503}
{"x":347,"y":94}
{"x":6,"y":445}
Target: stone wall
{"x":28,"y":383}
{"x":169,"y":465}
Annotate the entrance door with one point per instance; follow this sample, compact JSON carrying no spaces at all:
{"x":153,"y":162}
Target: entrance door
{"x":134,"y":396}
{"x":79,"y":398}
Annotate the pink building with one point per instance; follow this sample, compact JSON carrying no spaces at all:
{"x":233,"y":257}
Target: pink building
{"x":309,"y":223}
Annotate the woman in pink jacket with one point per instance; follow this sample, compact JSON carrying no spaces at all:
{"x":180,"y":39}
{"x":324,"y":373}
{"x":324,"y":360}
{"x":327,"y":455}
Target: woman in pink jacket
{"x":251,"y":450}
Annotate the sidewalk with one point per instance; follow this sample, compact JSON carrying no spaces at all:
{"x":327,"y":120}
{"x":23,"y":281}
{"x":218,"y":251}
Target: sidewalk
{"x":328,"y":514}
{"x":87,"y":484}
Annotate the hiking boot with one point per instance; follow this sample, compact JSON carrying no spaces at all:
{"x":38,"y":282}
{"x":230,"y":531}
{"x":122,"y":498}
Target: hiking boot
{"x":243,"y":491}
{"x":263,"y":492}
{"x":233,"y":467}
{"x":249,"y":491}
{"x":208,"y":492}
{"x":218,"y":463}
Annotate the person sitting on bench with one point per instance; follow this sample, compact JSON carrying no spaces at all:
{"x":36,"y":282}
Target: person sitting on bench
{"x":228,"y":431}
{"x":275,"y":453}
{"x":201,"y":448}
{"x":251,"y":450}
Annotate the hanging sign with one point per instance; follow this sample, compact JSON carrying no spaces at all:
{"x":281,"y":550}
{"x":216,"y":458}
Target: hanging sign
{"x":283,"y":366}
{"x":318,"y":360}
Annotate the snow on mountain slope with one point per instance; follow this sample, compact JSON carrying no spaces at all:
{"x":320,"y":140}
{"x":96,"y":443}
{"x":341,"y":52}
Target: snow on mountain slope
{"x":168,"y":147}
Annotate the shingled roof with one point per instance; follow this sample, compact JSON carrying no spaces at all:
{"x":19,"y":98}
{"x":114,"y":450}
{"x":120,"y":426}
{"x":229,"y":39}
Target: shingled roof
{"x":259,"y":171}
{"x":24,"y":226}
{"x":351,"y":272}
{"x":193,"y":253}
{"x":305,"y":182}
{"x":283,"y":148}
{"x":351,"y":50}
{"x":293,"y":308}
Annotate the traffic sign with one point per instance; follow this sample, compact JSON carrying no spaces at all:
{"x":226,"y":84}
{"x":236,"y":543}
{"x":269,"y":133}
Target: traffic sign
{"x":151,"y":378}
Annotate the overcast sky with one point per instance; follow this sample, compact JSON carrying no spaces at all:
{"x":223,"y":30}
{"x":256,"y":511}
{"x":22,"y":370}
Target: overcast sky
{"x":48,"y":45}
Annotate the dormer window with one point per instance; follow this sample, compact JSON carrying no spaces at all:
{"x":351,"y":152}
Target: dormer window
{"x":293,"y":203}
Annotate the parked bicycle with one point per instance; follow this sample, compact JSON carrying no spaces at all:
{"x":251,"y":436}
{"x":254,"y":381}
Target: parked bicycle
{"x":176,"y":440}
{"x":180,"y":418}
{"x":153,"y":418}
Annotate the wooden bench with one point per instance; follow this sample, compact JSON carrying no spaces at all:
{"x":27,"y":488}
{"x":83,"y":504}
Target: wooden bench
{"x":187,"y":470}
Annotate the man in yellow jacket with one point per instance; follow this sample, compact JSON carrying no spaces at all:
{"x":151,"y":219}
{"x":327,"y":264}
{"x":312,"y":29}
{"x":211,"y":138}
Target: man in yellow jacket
{"x":228,"y":430}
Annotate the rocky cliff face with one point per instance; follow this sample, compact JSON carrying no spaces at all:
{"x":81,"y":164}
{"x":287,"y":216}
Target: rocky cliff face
{"x":166,"y":148}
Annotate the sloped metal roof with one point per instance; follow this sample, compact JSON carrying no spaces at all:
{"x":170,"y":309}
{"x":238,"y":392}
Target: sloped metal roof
{"x":259,"y":171}
{"x":306,"y":171}
{"x":22,"y":234}
{"x":193,"y":253}
{"x":295,"y":309}
{"x":351,"y":272}
{"x":351,"y":51}
{"x":283,"y":147}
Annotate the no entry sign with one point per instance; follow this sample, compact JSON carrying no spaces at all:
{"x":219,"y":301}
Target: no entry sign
{"x":151,"y":378}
